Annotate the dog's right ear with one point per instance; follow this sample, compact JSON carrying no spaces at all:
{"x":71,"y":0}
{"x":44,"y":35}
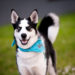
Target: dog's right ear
{"x":34,"y":16}
{"x":14,"y":16}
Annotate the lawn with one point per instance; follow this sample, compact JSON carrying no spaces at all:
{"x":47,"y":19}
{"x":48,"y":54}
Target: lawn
{"x":64,"y":46}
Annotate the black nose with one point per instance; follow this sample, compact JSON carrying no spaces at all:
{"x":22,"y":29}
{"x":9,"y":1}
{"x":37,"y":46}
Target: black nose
{"x":23,"y":35}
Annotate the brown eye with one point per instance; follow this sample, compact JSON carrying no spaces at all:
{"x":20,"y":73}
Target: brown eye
{"x":29,"y":28}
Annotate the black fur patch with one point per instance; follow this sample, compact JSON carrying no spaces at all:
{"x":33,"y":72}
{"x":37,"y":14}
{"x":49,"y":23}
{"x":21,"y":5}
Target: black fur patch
{"x":45,"y":23}
{"x":50,"y":52}
{"x":15,"y":26}
{"x":33,"y":25}
{"x":43,"y":29}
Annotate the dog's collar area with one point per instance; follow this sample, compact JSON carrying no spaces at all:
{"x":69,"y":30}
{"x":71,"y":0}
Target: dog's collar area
{"x":37,"y":47}
{"x":13,"y":43}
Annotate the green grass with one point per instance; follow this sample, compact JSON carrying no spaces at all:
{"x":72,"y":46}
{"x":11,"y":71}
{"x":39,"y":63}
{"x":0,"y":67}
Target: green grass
{"x":64,"y":45}
{"x":7,"y":53}
{"x":65,"y":42}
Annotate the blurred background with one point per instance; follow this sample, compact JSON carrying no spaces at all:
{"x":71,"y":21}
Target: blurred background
{"x":64,"y":44}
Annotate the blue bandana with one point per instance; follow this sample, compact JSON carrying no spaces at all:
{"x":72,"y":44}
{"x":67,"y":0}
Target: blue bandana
{"x":37,"y":47}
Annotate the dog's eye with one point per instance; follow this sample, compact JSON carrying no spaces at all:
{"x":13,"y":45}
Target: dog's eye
{"x":29,"y":28}
{"x":18,"y":29}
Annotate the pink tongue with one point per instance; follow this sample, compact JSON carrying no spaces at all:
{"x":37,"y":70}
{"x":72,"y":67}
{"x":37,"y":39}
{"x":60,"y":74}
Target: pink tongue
{"x":24,"y":41}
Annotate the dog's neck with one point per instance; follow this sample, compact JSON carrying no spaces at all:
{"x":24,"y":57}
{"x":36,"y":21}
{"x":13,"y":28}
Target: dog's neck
{"x":36,"y":47}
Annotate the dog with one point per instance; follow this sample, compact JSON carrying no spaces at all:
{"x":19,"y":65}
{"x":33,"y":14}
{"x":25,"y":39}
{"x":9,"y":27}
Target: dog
{"x":35,"y":54}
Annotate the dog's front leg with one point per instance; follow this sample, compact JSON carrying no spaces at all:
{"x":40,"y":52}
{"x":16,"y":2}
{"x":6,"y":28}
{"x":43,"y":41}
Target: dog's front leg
{"x":24,"y":71}
{"x":38,"y":71}
{"x":51,"y":68}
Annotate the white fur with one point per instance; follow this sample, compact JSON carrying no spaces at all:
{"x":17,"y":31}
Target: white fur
{"x":51,"y":68}
{"x":52,"y":33}
{"x":53,"y":30}
{"x":30,"y":60}
{"x":32,"y":35}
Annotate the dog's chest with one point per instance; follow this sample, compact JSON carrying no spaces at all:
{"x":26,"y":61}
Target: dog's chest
{"x":30,"y":58}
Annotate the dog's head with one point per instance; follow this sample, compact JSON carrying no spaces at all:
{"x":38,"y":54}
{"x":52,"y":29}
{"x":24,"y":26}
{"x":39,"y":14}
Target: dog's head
{"x":25,"y":31}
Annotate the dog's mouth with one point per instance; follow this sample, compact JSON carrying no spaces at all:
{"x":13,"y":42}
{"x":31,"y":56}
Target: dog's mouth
{"x":24,"y":41}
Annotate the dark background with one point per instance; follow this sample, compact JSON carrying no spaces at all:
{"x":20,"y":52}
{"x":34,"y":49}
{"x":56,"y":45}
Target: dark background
{"x":24,"y":7}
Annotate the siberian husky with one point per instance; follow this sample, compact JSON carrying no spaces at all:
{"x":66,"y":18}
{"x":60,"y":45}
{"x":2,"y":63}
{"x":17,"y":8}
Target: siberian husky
{"x":34,"y":51}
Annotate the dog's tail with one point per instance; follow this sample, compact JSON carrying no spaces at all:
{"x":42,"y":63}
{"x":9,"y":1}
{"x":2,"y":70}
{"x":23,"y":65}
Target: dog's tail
{"x":49,"y":26}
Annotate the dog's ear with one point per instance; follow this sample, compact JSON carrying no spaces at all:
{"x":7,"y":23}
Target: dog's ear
{"x":14,"y":16}
{"x":34,"y":16}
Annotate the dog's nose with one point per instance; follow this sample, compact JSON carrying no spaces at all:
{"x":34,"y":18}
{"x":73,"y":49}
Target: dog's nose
{"x":23,"y":35}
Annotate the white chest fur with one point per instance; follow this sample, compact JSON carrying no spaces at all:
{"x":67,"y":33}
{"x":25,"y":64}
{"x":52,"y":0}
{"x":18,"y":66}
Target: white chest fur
{"x":29,"y":60}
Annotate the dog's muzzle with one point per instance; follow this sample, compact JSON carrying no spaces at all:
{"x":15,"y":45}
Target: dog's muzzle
{"x":24,"y":41}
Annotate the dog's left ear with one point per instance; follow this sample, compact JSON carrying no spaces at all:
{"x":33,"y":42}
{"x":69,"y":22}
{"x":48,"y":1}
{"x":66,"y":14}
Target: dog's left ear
{"x":34,"y":16}
{"x":14,"y":16}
